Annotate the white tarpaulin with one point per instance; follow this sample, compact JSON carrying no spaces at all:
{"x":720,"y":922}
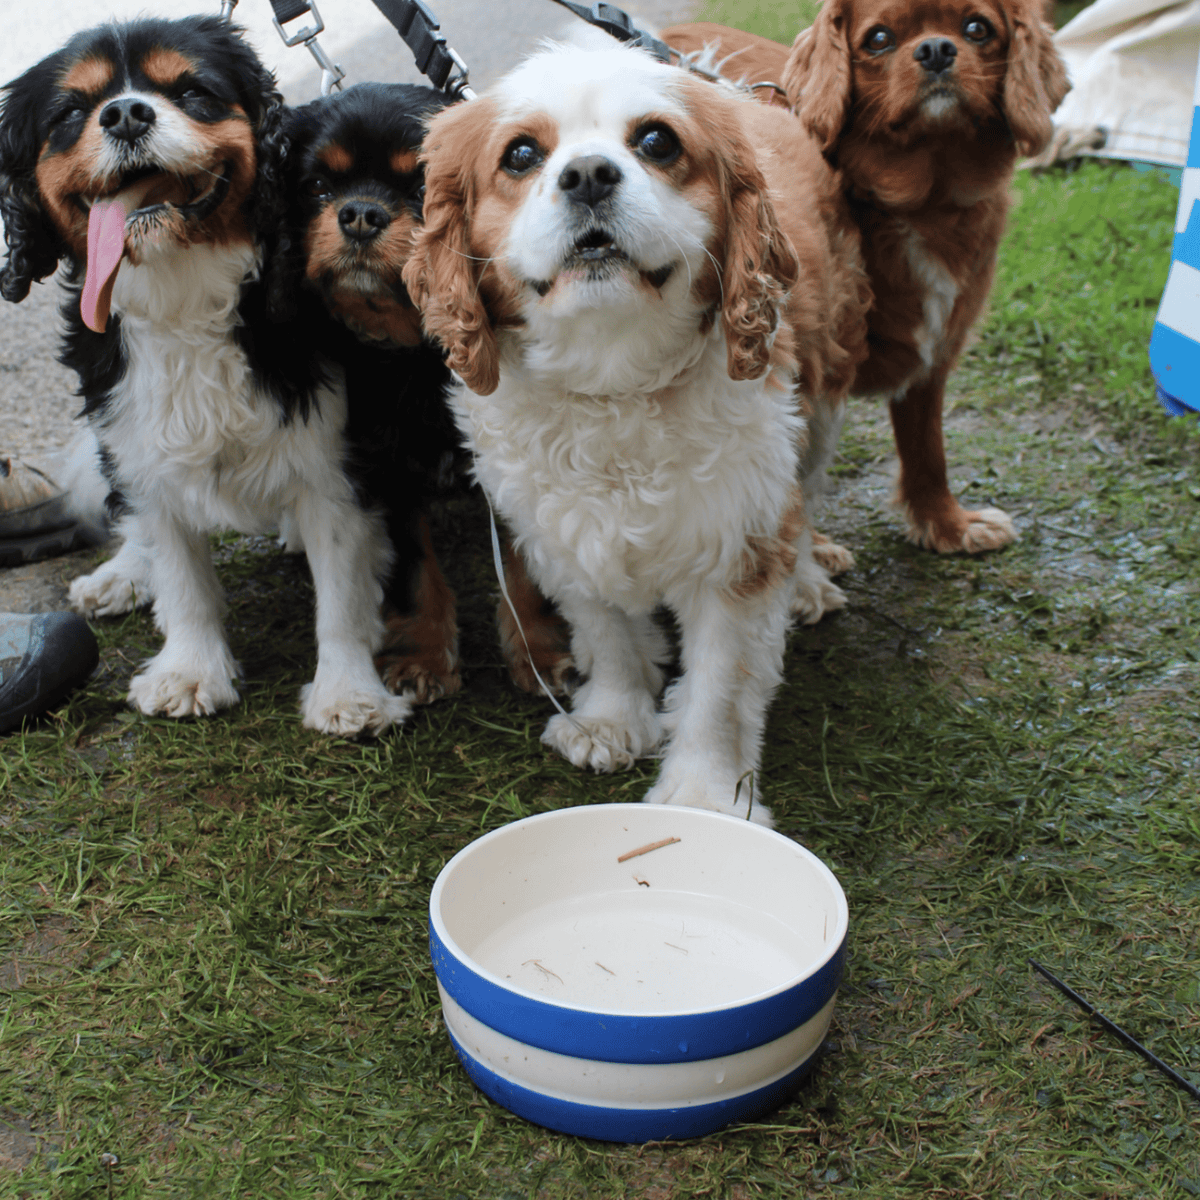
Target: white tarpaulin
{"x":1133,"y":69}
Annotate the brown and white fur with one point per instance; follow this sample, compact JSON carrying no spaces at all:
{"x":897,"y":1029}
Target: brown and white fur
{"x":924,"y":105}
{"x":604,"y":262}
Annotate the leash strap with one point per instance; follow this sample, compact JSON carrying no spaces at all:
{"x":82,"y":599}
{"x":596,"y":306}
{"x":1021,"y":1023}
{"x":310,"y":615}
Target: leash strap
{"x":417,"y":25}
{"x":616,"y":22}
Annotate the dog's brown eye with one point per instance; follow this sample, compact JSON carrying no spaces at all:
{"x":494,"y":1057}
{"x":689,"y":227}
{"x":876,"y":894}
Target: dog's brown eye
{"x":522,"y":156}
{"x":977,"y":29}
{"x":318,"y":187}
{"x":879,"y":39}
{"x":68,"y":113}
{"x":657,"y":143}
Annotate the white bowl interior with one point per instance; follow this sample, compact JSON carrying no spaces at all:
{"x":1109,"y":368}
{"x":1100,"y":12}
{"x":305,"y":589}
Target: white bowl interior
{"x":728,"y":913}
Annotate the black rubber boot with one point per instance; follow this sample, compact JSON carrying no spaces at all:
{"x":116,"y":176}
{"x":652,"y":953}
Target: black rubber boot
{"x":42,"y":657}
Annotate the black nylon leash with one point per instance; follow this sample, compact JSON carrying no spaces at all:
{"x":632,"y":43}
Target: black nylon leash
{"x":617,"y":23}
{"x":417,"y":25}
{"x":411,"y":19}
{"x":1174,"y":1076}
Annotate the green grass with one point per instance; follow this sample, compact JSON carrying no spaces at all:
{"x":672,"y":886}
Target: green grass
{"x":212,"y":933}
{"x":1083,"y":257}
{"x":768,"y":18}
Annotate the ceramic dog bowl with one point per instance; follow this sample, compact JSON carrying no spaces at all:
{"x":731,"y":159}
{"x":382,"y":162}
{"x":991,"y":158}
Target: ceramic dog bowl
{"x":634,"y":972}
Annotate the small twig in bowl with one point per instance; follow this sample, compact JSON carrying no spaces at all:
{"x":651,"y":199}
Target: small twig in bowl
{"x":647,"y":848}
{"x":544,"y":970}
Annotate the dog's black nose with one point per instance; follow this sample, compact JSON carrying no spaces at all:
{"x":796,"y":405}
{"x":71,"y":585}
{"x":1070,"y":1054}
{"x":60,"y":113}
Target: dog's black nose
{"x":589,"y":179}
{"x":362,"y":219}
{"x":936,"y":54}
{"x":127,"y":118}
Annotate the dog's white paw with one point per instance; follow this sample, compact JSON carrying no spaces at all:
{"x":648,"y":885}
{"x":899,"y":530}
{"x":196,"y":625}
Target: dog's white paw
{"x":956,"y":530}
{"x":988,"y":529}
{"x":174,"y":693}
{"x":349,"y":710}
{"x":709,"y":790}
{"x":106,"y":593}
{"x":602,"y":744}
{"x":814,"y":597}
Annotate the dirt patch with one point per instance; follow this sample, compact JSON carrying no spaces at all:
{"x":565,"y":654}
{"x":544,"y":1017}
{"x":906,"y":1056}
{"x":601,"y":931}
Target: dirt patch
{"x":50,"y":952}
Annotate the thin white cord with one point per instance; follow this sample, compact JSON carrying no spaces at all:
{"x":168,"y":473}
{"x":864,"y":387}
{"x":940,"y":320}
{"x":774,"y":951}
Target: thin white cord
{"x":498,"y":560}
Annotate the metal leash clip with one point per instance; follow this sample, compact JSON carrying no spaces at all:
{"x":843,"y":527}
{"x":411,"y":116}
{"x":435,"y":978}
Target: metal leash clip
{"x":288,"y":10}
{"x":227,"y":7}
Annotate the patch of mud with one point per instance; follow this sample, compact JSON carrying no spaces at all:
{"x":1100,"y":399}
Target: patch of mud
{"x":51,"y":952}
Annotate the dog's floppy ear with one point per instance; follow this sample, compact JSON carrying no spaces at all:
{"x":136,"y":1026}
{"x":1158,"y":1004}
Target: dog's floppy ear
{"x":816,"y":76}
{"x":1036,"y":81}
{"x":759,"y":265}
{"x":34,"y":246}
{"x":283,"y":269}
{"x":760,"y":269}
{"x":267,"y":111}
{"x":443,"y":276}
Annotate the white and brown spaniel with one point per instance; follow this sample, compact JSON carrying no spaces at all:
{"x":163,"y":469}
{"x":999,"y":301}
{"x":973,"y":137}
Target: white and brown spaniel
{"x":632,"y":308}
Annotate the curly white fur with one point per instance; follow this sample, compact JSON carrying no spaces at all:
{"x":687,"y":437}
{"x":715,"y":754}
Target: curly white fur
{"x":631,"y":468}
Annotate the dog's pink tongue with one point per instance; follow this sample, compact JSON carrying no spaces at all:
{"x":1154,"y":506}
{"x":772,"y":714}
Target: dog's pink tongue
{"x":105,"y":249}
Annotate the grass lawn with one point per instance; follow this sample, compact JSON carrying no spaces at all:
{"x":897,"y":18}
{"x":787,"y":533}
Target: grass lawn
{"x":212,"y":941}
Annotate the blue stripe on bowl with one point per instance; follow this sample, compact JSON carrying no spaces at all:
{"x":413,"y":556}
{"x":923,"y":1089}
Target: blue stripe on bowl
{"x":630,"y":1124}
{"x":640,"y":1037}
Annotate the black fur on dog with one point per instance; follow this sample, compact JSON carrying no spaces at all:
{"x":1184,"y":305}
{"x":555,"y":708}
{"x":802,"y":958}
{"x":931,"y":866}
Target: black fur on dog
{"x":354,"y":191}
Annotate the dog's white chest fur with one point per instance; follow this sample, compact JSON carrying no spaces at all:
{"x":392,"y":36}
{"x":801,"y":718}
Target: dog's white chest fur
{"x":937,"y":302}
{"x":627,"y":498}
{"x":189,"y":428}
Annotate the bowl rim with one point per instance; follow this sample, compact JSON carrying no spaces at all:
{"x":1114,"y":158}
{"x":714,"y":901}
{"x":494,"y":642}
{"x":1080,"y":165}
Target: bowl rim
{"x":670,"y":1035}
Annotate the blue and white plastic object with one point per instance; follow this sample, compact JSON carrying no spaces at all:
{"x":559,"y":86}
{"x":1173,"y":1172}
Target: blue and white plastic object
{"x":1175,"y":342}
{"x":634,"y":972}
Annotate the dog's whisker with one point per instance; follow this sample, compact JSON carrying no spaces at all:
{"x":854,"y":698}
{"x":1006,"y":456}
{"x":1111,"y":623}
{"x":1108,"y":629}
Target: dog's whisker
{"x":682,"y":254}
{"x":720,"y":274}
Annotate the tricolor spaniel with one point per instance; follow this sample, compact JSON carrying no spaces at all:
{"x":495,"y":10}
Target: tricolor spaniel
{"x":147,"y":155}
{"x":354,"y":191}
{"x":924,"y":107}
{"x":611,"y":274}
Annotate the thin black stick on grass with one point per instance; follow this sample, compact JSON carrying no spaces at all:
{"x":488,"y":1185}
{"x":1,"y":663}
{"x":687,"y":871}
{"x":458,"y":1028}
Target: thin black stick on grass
{"x":1132,"y":1042}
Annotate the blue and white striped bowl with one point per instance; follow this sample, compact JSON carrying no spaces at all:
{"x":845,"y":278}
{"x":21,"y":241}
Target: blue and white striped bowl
{"x":638,"y":998}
